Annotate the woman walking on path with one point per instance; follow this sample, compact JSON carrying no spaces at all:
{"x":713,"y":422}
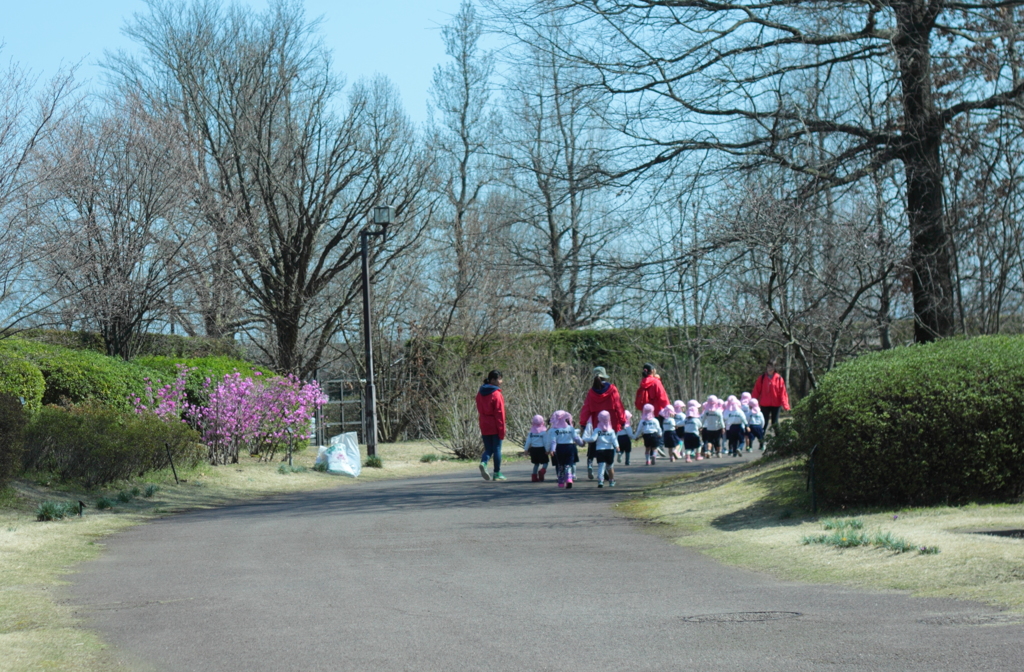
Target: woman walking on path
{"x":771,"y":395}
{"x":652,"y":392}
{"x":602,"y":396}
{"x":490,"y":405}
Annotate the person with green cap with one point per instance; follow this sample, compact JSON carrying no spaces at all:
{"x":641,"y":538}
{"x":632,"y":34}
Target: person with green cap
{"x":602,"y":396}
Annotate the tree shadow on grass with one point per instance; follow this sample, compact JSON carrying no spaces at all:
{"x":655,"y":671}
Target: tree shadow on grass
{"x":786,"y":502}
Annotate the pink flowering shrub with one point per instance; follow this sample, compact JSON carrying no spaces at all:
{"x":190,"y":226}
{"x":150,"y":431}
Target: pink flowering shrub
{"x":255,"y":413}
{"x":258,"y":414}
{"x":167,"y":402}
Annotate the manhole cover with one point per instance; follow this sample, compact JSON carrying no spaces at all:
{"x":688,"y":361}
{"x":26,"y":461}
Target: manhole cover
{"x":742,"y":617}
{"x":971,"y":619}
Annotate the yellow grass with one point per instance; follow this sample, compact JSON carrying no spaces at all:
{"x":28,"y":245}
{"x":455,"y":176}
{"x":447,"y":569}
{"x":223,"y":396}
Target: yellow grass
{"x":756,"y":517}
{"x":38,"y":632}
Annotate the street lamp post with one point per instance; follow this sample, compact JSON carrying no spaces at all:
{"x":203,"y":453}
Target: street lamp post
{"x":383,"y":216}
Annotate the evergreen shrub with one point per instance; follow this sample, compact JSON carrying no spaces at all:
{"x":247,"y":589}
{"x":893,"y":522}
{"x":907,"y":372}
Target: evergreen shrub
{"x":920,"y":425}
{"x":77,"y":376}
{"x":22,"y":380}
{"x":93,"y":444}
{"x":12,"y":424}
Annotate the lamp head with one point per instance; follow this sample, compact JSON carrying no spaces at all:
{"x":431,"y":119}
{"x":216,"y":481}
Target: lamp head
{"x":383,"y":215}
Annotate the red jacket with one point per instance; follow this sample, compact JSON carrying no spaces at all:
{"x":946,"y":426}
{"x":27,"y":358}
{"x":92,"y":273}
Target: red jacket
{"x":491,"y":407}
{"x":603,"y":401}
{"x":771,"y":391}
{"x":652,"y":392}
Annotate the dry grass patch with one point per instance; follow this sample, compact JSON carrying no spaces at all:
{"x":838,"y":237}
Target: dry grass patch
{"x":37,"y":631}
{"x":757,"y":516}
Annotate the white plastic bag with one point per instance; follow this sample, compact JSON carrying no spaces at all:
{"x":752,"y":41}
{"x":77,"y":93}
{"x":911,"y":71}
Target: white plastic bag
{"x":342,"y":456}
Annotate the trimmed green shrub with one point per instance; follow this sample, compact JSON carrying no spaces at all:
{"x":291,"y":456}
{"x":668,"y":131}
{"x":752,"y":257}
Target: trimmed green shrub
{"x":12,"y":423}
{"x":22,"y":380}
{"x":167,"y":345}
{"x":94,"y":445}
{"x":920,"y":425}
{"x":213,"y":368}
{"x":76,"y":376}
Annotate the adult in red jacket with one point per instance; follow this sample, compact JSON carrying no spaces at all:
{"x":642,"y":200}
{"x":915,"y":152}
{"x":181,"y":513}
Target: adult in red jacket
{"x":770,"y":392}
{"x":651,"y":391}
{"x":602,"y":396}
{"x":490,"y":406}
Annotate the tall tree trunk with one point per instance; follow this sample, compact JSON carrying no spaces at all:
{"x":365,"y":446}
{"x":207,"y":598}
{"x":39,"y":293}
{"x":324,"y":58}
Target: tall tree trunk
{"x":930,"y":259}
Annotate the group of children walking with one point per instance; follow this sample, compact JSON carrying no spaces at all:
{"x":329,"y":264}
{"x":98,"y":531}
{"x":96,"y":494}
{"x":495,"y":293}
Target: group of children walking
{"x":691,"y":432}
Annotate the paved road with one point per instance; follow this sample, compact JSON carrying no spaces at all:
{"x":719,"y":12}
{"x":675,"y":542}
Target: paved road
{"x":452,"y":573}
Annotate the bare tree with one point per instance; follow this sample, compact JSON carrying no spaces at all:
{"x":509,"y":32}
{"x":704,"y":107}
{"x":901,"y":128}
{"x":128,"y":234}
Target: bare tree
{"x":112,"y":235}
{"x":287,"y":163}
{"x":684,"y":72}
{"x":561,"y":222}
{"x":28,"y":122}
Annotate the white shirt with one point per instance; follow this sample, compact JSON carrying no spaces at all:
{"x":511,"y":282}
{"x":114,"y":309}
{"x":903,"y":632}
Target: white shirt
{"x":757,"y":419}
{"x":534,"y":440}
{"x":647,"y":427}
{"x":692,"y":426}
{"x":735,"y":418}
{"x":669,"y":425}
{"x":712,"y":420}
{"x":605,"y":440}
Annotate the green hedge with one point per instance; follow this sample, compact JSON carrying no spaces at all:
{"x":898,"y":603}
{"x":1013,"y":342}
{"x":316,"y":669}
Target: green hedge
{"x":165,"y":345}
{"x":94,"y":445}
{"x":919,"y":425}
{"x":76,"y":376}
{"x":12,"y":424}
{"x":214,"y":368}
{"x":724,"y":370}
{"x":23,"y":380}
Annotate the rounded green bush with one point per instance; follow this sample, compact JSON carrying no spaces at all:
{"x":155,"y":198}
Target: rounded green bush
{"x":77,"y":376}
{"x":925,"y":424}
{"x":23,"y":380}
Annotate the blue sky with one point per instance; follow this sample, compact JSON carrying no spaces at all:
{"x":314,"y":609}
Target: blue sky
{"x":397,"y":38}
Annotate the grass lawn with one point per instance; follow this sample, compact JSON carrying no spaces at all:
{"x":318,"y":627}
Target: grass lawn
{"x":37,"y":631}
{"x":758,"y":516}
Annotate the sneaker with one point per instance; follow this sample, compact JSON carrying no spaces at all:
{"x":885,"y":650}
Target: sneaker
{"x":568,"y":485}
{"x":535,"y":478}
{"x":648,"y":461}
{"x":483,"y":472}
{"x":600,"y":485}
{"x":700,"y":457}
{"x":561,"y":484}
{"x":590,"y":472}
{"x":652,"y":460}
{"x":687,"y":458}
{"x":660,"y":452}
{"x":611,"y":484}
{"x":498,"y":476}
{"x":540,"y":474}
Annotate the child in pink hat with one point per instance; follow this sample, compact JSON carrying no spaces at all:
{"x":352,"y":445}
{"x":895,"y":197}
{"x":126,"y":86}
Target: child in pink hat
{"x":714,"y":427}
{"x":564,"y":440}
{"x":691,"y":432}
{"x":535,"y":446}
{"x":625,"y":437}
{"x":755,"y":429}
{"x":604,"y":451}
{"x":650,"y":429}
{"x":735,"y":425}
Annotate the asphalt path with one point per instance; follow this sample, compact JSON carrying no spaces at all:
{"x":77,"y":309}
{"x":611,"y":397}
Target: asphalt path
{"x":454,"y":573}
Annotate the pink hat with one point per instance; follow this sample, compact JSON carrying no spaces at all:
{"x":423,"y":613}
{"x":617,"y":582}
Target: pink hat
{"x":560,"y":419}
{"x":745,"y":398}
{"x":604,"y":421}
{"x":693,"y":411}
{"x":647,"y":413}
{"x":733,"y":404}
{"x":668,"y":411}
{"x":754,"y":406}
{"x":678,"y":404}
{"x":629,"y":416}
{"x":538,"y":426}
{"x":693,"y":402}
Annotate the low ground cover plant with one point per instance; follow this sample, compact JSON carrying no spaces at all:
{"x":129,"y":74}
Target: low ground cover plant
{"x":57,"y":510}
{"x":920,"y":425}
